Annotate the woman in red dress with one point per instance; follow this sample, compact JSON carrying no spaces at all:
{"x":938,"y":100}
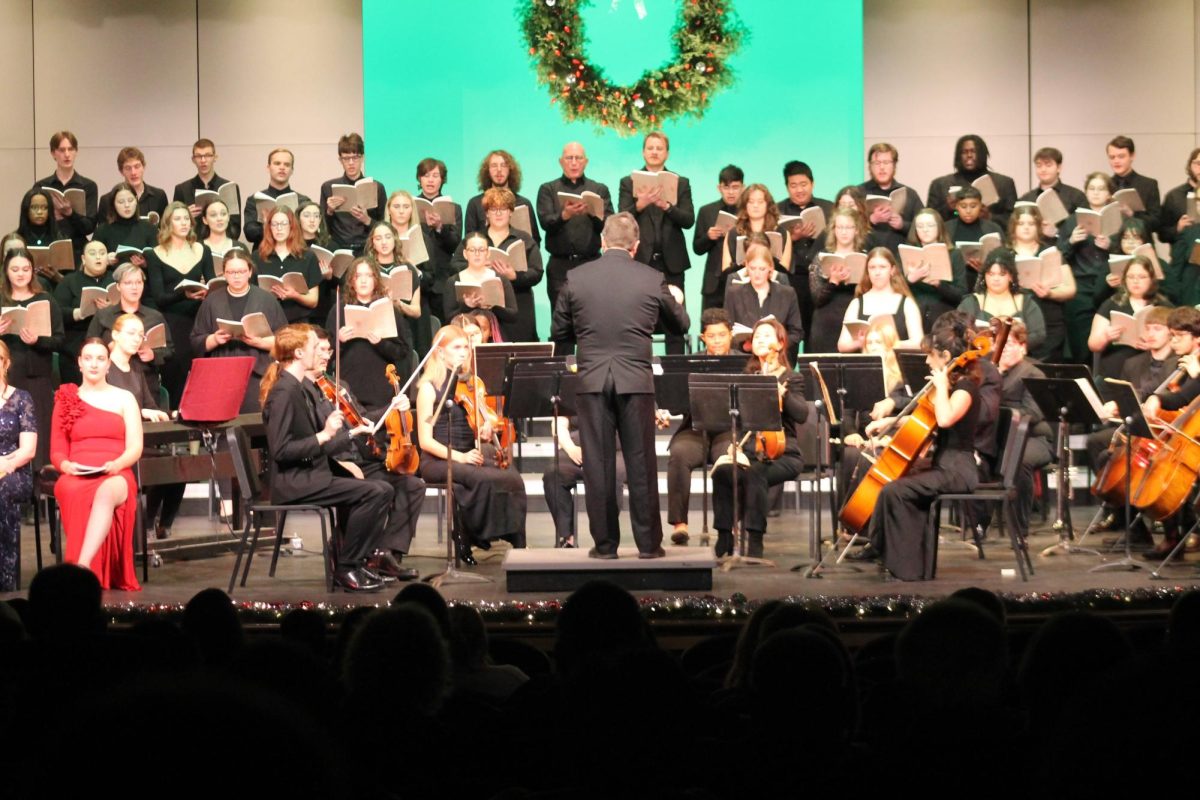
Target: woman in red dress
{"x":95,"y":440}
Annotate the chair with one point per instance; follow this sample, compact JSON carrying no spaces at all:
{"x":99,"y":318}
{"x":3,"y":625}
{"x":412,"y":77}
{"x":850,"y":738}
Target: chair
{"x":1004,"y":491}
{"x":250,"y":488}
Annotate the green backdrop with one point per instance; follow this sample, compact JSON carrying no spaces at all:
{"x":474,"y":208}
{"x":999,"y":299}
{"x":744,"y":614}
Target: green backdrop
{"x":454,"y":80}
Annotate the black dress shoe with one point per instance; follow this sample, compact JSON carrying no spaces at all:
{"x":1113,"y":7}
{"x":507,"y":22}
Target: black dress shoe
{"x":381,"y":578}
{"x":866,"y":553}
{"x":724,"y":544}
{"x":657,"y":552}
{"x":565,"y":543}
{"x":594,"y":553}
{"x":355,"y":580}
{"x":388,"y":565}
{"x":161,"y":532}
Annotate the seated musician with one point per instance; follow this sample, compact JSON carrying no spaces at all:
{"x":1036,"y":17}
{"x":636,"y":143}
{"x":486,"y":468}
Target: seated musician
{"x":409,"y":490}
{"x":1014,"y":369}
{"x":303,"y":467}
{"x":1148,"y":371}
{"x":557,"y":483}
{"x":490,"y":501}
{"x":769,"y":357}
{"x":687,"y":446}
{"x":899,"y":521}
{"x":1184,"y":324}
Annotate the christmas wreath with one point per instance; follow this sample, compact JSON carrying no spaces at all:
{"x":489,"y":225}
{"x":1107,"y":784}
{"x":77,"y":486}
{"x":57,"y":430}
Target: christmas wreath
{"x":706,"y":34}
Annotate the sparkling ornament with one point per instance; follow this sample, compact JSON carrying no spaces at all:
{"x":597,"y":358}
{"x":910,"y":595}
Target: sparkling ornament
{"x":551,"y":3}
{"x":571,"y":79}
{"x":701,"y":66}
{"x":640,"y":103}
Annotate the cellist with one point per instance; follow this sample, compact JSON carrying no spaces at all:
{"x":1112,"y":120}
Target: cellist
{"x":408,"y":490}
{"x":490,"y":501}
{"x":1147,"y":371}
{"x":897,"y":530}
{"x":768,"y":343}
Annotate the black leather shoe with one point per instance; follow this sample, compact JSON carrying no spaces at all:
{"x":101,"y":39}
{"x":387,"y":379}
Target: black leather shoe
{"x":866,"y":553}
{"x":482,"y":544}
{"x":160,"y":532}
{"x":724,"y":544}
{"x":381,"y":578}
{"x":657,"y":552}
{"x":565,"y":543}
{"x":355,"y":580}
{"x":679,"y":538}
{"x":389,"y":566}
{"x":594,"y":553}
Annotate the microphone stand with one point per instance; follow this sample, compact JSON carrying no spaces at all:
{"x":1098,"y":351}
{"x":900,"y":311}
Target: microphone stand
{"x":451,"y":574}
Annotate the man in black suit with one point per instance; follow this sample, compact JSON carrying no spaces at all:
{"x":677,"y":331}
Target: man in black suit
{"x":661,"y":221}
{"x":709,"y":236}
{"x":303,"y":471}
{"x":611,"y":306}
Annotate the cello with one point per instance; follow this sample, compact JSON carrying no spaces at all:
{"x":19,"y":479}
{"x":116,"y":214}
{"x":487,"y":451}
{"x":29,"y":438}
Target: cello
{"x":911,"y":440}
{"x":1172,"y":471}
{"x":1109,"y":485}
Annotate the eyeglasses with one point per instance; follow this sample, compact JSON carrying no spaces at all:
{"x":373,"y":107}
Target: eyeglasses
{"x":476,"y":250}
{"x":350,"y":156}
{"x":281,"y":224}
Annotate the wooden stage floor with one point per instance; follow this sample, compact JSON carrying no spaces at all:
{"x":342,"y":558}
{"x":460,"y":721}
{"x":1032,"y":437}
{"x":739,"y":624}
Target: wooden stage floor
{"x":299,"y":578}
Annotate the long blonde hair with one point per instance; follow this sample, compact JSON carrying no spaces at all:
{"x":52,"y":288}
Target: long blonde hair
{"x":888,"y":336}
{"x":435,"y":368}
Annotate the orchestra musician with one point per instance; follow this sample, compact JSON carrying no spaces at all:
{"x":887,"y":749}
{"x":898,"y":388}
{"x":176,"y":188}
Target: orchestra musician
{"x":689,"y":448}
{"x":768,"y":357}
{"x":409,"y":490}
{"x":899,"y":522}
{"x":490,"y":500}
{"x":302,"y":444}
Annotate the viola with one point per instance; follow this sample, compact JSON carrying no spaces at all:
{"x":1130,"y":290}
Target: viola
{"x":769,"y":445}
{"x":469,"y":393}
{"x":341,"y":400}
{"x":402,"y":457}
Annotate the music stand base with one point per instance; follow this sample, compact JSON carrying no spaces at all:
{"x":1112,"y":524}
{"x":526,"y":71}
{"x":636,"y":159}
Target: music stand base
{"x":733,"y":562}
{"x":452,"y":574}
{"x":1127,"y":564}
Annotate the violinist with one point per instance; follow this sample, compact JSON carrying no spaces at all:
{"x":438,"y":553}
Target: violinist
{"x":768,"y":357}
{"x":365,"y":356}
{"x":687,"y":447}
{"x":409,"y":490}
{"x":490,"y":501}
{"x":897,"y":530}
{"x":234,"y":301}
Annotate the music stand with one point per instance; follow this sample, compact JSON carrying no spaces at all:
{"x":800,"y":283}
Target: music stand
{"x":1129,"y":405}
{"x":541,"y":387}
{"x":913,"y":369}
{"x":731,"y":403}
{"x":1064,"y":401}
{"x":491,"y":365}
{"x":671,"y":394}
{"x":212,"y":396}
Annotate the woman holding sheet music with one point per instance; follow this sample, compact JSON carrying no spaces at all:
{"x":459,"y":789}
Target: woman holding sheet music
{"x":832,"y":293}
{"x":93,"y":272}
{"x":37,"y":228}
{"x":761,"y":296}
{"x":415,"y":254}
{"x":934,"y":297}
{"x":498,"y":206}
{"x":381,"y":249}
{"x":178,"y":257}
{"x":131,"y":285}
{"x":311,"y":220}
{"x":460,"y":299}
{"x":32,"y":355}
{"x":882,"y":290}
{"x":234,"y":301}
{"x":365,"y":353}
{"x":998,"y":294}
{"x":1138,"y":290}
{"x":1024,"y":231}
{"x":124,"y":228}
{"x":1088,"y":257}
{"x":216,"y":228}
{"x":282,"y":251}
{"x":757,"y":213}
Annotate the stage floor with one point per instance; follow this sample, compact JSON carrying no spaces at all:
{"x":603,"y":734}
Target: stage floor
{"x":299,"y":578}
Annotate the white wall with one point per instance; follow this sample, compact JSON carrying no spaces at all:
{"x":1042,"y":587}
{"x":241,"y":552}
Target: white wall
{"x":1025,"y":74}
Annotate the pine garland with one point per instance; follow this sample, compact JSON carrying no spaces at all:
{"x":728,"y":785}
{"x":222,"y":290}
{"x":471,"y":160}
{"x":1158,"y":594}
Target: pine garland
{"x":706,"y":34}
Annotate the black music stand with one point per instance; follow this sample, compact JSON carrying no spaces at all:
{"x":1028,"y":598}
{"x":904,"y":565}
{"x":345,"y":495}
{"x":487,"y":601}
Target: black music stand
{"x":451,"y":574}
{"x":735,"y":403}
{"x":855,"y":382}
{"x":1129,"y":406}
{"x":671,"y":394}
{"x":542,"y":387}
{"x":1064,"y":401}
{"x":913,"y":369}
{"x":491,"y":365}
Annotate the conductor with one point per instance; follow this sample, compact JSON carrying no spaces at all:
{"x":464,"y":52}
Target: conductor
{"x":610,"y":307}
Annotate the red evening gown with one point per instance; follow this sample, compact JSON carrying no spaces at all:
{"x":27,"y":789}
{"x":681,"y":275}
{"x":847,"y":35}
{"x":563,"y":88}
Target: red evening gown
{"x":92,"y":436}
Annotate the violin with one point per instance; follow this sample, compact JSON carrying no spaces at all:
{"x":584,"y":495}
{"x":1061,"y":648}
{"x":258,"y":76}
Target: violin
{"x":402,"y":456}
{"x":341,"y":400}
{"x":769,"y":445}
{"x":469,"y":394}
